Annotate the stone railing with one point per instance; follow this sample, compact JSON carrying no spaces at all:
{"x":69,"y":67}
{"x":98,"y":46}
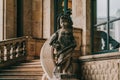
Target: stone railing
{"x":78,"y":37}
{"x":100,"y":67}
{"x":19,"y":49}
{"x":12,"y":49}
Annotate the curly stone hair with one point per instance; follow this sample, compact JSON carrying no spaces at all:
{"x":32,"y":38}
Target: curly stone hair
{"x":67,"y":14}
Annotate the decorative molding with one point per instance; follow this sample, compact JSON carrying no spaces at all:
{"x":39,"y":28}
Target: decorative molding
{"x":99,"y":57}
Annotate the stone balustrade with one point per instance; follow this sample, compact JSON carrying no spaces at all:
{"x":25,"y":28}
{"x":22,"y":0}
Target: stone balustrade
{"x":19,"y":49}
{"x":100,"y":67}
{"x":12,"y":48}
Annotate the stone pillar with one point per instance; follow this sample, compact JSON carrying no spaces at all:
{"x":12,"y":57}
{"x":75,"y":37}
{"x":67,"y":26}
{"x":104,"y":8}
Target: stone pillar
{"x":81,"y":19}
{"x":33,"y":18}
{"x":1,"y":20}
{"x":27,"y":17}
{"x":88,"y":27}
{"x":37,"y":18}
{"x":48,"y":18}
{"x":9,"y":19}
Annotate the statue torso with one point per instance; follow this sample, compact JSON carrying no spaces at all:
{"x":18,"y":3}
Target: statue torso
{"x":65,"y":37}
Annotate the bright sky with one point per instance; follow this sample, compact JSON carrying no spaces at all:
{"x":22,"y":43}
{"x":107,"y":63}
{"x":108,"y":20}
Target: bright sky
{"x":102,"y":8}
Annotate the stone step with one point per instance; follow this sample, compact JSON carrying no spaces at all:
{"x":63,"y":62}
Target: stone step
{"x":31,"y":70}
{"x":31,"y":63}
{"x":22,"y":73}
{"x":21,"y":77}
{"x":26,"y":67}
{"x":35,"y":60}
{"x":22,"y":69}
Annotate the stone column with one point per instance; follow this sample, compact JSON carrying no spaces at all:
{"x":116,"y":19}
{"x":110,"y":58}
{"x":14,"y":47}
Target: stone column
{"x":48,"y":18}
{"x":37,"y":18}
{"x":27,"y":17}
{"x":33,"y":18}
{"x":81,"y":19}
{"x":1,"y":20}
{"x":9,"y":19}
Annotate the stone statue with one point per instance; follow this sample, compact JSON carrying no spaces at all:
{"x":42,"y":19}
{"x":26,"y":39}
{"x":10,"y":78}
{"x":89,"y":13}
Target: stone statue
{"x":63,"y":44}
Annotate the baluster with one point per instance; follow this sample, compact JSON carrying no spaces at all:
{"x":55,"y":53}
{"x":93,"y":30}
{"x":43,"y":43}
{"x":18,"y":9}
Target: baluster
{"x":1,"y":53}
{"x":20,"y":49}
{"x":8,"y":51}
{"x":0,"y":56}
{"x":24,"y":47}
{"x":5,"y":53}
{"x":14,"y":50}
{"x":11,"y":51}
{"x":17,"y":49}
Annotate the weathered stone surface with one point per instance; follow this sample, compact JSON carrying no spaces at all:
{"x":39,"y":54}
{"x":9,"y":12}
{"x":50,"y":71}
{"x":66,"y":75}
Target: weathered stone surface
{"x":1,"y":19}
{"x":37,"y":18}
{"x":9,"y":19}
{"x":27,"y":17}
{"x":68,"y":77}
{"x":81,"y":19}
{"x":48,"y":18}
{"x":101,"y":67}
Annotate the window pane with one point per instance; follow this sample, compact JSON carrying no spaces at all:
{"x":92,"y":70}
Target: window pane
{"x":114,"y":9}
{"x":100,"y":38}
{"x":114,"y":35}
{"x":101,"y":11}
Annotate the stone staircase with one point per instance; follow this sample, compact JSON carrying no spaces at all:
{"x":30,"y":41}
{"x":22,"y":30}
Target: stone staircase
{"x":31,"y":70}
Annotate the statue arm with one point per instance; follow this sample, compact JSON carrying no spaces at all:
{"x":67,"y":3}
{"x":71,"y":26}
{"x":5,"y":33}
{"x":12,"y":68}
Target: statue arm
{"x":72,"y":46}
{"x":54,"y":38}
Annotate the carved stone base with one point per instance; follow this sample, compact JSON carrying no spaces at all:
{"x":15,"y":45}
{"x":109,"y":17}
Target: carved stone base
{"x":67,"y":77}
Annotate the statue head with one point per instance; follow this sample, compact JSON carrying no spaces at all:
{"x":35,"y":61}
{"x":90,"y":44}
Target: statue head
{"x":64,"y":20}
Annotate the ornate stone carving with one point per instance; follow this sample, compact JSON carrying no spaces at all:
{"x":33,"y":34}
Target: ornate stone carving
{"x":63,"y":43}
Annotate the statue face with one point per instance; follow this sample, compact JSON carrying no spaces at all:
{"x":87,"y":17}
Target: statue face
{"x":64,"y":21}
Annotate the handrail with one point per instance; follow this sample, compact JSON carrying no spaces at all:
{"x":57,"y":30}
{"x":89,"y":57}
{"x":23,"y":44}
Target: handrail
{"x":12,"y":49}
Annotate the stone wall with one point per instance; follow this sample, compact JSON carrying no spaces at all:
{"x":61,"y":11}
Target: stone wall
{"x":77,"y":33}
{"x":34,"y":47}
{"x":100,"y":67}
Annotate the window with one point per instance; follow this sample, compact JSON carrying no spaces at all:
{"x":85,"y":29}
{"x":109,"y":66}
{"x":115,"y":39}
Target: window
{"x":105,"y":25}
